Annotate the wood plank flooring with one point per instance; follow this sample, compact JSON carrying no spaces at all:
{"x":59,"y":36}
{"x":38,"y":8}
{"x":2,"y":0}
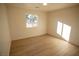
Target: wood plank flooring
{"x":45,"y":45}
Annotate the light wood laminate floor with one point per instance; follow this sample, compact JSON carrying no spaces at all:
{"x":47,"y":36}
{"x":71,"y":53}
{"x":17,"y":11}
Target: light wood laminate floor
{"x":45,"y":45}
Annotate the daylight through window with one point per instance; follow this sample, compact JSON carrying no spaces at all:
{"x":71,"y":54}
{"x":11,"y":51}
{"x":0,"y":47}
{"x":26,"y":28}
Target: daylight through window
{"x":63,"y":30}
{"x":31,"y":21}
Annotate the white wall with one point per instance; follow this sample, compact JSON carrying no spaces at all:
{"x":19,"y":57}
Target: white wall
{"x":17,"y":23}
{"x":69,"y":16}
{"x":4,"y":32}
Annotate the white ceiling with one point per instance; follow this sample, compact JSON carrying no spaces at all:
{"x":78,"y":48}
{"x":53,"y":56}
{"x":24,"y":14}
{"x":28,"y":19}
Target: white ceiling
{"x":40,"y":7}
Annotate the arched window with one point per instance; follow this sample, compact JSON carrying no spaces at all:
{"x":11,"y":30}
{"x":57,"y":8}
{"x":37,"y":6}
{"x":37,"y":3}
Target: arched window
{"x":31,"y":20}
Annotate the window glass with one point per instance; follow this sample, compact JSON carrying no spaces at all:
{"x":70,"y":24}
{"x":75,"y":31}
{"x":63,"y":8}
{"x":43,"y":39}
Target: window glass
{"x":31,"y":20}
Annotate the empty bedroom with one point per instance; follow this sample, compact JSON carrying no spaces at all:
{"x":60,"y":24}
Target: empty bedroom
{"x":39,"y":29}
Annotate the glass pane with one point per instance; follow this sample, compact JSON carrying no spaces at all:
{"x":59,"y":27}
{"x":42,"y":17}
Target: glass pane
{"x":66,"y":32}
{"x":59,"y":28}
{"x":31,"y":21}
